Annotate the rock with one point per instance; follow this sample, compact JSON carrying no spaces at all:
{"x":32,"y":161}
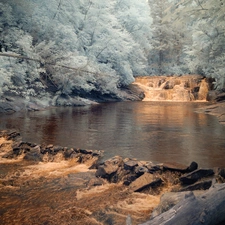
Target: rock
{"x":50,"y":146}
{"x":196,"y":175}
{"x":152,"y":168}
{"x":109,"y":167}
{"x":68,"y":152}
{"x":96,"y":182}
{"x":201,"y":185}
{"x":220,"y":97}
{"x":140,"y":170}
{"x":168,"y":200}
{"x":34,"y":154}
{"x":145,"y":181}
{"x":207,"y":208}
{"x":10,"y":134}
{"x":57,"y":148}
{"x":193,"y":166}
{"x":175,"y":167}
{"x":129,"y":179}
{"x":84,"y":151}
{"x":130,"y":164}
{"x":221,"y":172}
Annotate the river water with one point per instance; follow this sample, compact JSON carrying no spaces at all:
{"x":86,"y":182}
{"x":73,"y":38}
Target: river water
{"x":153,"y":131}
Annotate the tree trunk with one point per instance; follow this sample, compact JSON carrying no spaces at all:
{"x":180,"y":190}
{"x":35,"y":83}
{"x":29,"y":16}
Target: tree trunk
{"x":207,"y":209}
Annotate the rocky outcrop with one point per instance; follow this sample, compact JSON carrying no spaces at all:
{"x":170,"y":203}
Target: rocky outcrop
{"x":113,"y":185}
{"x":147,"y":177}
{"x":196,"y":175}
{"x":182,"y":181}
{"x":207,"y":208}
{"x":44,"y":153}
{"x":10,"y":103}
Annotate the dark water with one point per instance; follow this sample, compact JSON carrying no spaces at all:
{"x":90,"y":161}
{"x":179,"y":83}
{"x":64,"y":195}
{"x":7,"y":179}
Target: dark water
{"x":154,"y":131}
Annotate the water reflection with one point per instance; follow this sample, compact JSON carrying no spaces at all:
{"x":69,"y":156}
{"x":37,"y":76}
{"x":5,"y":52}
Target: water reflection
{"x":145,"y":130}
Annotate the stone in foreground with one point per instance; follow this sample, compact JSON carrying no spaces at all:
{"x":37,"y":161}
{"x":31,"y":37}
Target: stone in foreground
{"x":145,"y":181}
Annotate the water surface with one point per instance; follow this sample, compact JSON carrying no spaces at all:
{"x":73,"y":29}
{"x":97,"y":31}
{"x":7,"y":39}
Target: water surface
{"x":154,"y":131}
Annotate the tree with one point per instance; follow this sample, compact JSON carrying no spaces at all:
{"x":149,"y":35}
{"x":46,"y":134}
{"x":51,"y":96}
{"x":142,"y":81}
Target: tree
{"x":205,"y":20}
{"x":168,"y":40}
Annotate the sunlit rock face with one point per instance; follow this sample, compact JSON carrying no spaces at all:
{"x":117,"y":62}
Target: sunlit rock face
{"x":174,"y":88}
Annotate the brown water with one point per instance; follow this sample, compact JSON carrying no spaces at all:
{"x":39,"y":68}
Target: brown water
{"x":154,"y":131}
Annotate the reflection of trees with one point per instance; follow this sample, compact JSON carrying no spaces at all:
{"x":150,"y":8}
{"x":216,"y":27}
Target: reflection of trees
{"x":149,"y":131}
{"x":50,"y":129}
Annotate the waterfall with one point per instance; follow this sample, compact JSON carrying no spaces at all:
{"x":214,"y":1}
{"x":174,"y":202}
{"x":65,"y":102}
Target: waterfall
{"x":173,"y":88}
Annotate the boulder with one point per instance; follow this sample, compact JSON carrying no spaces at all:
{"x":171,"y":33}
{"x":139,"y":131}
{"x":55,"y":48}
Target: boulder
{"x":168,"y":200}
{"x":130,"y":164}
{"x":127,"y":180}
{"x":109,"y":167}
{"x":207,"y":208}
{"x":221,"y":172}
{"x":173,"y":166}
{"x":196,"y":175}
{"x":152,"y":168}
{"x":140,"y":170}
{"x":201,"y":185}
{"x":193,"y":166}
{"x":34,"y":154}
{"x":145,"y":181}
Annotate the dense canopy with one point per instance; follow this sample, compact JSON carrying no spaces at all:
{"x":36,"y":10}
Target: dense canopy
{"x":81,"y":46}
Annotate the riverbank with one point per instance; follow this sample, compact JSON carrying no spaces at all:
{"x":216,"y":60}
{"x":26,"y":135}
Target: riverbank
{"x":11,"y":103}
{"x":216,"y":109}
{"x":46,"y":184}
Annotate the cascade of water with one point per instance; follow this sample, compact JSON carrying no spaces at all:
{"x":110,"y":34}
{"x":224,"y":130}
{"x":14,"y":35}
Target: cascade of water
{"x":173,"y":88}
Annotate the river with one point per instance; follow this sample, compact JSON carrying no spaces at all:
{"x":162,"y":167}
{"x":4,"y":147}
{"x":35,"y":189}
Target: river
{"x":153,"y":131}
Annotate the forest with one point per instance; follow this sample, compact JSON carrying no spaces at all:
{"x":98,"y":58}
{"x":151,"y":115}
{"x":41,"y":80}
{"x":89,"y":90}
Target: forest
{"x":61,"y":47}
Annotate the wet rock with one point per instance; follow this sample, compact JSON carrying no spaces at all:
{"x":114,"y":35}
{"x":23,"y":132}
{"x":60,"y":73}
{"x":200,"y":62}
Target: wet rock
{"x":109,"y":167}
{"x":201,"y":185}
{"x":96,"y":182}
{"x":57,"y":148}
{"x":10,"y":134}
{"x":193,"y":166}
{"x":220,"y":97}
{"x":49,"y":146}
{"x":140,"y":170}
{"x":221,"y":172}
{"x":84,"y":151}
{"x":130,"y":164}
{"x":68,"y":153}
{"x":196,"y":175}
{"x":145,"y":181}
{"x":34,"y":154}
{"x":173,"y":166}
{"x":152,"y":168}
{"x":129,"y":179}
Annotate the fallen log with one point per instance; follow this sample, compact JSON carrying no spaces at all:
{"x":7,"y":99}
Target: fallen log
{"x":207,"y":209}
